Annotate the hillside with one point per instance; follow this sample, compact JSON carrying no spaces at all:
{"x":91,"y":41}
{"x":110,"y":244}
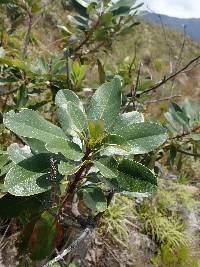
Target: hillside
{"x":159,"y":53}
{"x":192,"y":24}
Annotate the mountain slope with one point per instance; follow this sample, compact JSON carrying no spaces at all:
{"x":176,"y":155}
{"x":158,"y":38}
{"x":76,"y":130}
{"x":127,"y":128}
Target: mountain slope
{"x":192,"y":25}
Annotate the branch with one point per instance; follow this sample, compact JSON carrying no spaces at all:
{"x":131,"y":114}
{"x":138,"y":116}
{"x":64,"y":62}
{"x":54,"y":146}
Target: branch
{"x":162,"y":99}
{"x":194,"y":130}
{"x":91,"y":224}
{"x":74,"y":244}
{"x":26,"y":40}
{"x":179,"y":58}
{"x":66,"y":54}
{"x":166,"y":79}
{"x":166,"y":41}
{"x":134,"y":89}
{"x":82,"y":43}
{"x":76,"y":179}
{"x":133,"y":61}
{"x":188,"y":153}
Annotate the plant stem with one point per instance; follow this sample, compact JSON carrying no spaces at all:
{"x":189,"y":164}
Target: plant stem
{"x":66,"y":53}
{"x":26,"y":40}
{"x":77,"y":178}
{"x":167,"y":78}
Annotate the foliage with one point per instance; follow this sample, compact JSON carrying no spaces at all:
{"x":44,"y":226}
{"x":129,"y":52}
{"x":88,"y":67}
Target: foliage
{"x":68,"y":151}
{"x":83,"y":142}
{"x":184,"y":123}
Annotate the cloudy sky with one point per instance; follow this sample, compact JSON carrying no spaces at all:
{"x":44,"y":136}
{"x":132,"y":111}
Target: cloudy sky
{"x":175,"y":8}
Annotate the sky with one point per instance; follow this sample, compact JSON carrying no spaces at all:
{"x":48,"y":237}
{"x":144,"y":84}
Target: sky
{"x":175,"y":8}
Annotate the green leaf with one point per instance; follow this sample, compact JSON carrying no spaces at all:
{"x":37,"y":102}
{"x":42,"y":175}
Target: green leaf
{"x":172,"y":154}
{"x":105,"y":103}
{"x":82,"y":3}
{"x":134,"y":177}
{"x":22,"y":96}
{"x":96,"y":128}
{"x":65,"y":96}
{"x":94,"y":198}
{"x":3,"y":160}
{"x":29,"y":176}
{"x":127,"y":119}
{"x":75,"y":119}
{"x":62,"y":100}
{"x":67,"y":168}
{"x":107,"y":167}
{"x":68,"y":149}
{"x":36,"y":146}
{"x":130,"y":176}
{"x":6,"y":168}
{"x":178,"y":114}
{"x":13,"y":206}
{"x":141,"y":138}
{"x":195,"y":137}
{"x":102,"y":75}
{"x":115,"y":145}
{"x":121,"y":7}
{"x":18,"y":153}
{"x":28,"y":123}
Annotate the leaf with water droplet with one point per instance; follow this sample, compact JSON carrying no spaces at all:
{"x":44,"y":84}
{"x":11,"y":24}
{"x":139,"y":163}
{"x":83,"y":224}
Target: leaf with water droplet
{"x":67,"y":168}
{"x":28,"y":123}
{"x":105,"y":103}
{"x":29,"y":176}
{"x":141,"y":138}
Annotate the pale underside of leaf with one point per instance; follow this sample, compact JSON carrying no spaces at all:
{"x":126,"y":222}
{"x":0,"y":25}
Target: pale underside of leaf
{"x":18,"y":153}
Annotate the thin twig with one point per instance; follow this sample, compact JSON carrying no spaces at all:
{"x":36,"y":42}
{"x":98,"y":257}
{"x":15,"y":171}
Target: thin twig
{"x":26,"y":40}
{"x":133,"y":61}
{"x":138,"y":76}
{"x":167,"y":78}
{"x":66,"y":54}
{"x":181,"y":50}
{"x":188,"y":153}
{"x":134,"y":89}
{"x":179,"y":58}
{"x":161,"y":99}
{"x":194,"y":130}
{"x":5,"y":232}
{"x":165,"y":36}
{"x":82,"y":43}
{"x":54,"y":185}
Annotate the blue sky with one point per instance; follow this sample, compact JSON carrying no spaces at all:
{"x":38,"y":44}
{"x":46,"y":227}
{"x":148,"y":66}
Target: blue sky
{"x":175,"y":8}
